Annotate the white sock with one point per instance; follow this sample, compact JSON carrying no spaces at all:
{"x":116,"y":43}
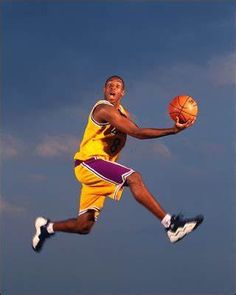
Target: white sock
{"x":166,"y":220}
{"x":50,"y":228}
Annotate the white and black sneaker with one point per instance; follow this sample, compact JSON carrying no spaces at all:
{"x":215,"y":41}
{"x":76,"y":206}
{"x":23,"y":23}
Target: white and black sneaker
{"x":180,"y":227}
{"x":41,"y":233}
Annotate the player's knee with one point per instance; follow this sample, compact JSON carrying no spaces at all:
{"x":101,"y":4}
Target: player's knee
{"x":84,"y":223}
{"x":83,"y":229}
{"x":134,"y":178}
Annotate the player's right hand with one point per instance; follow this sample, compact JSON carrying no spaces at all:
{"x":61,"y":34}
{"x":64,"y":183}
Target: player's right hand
{"x":181,"y":126}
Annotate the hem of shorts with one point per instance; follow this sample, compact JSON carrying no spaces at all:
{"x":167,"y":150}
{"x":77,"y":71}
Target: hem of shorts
{"x":119,"y":186}
{"x":96,"y":209}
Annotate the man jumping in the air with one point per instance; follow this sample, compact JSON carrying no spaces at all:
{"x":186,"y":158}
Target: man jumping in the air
{"x":101,"y":176}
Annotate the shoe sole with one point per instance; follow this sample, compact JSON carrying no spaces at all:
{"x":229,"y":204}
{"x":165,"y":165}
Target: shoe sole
{"x":184,"y":231}
{"x":40,"y":221}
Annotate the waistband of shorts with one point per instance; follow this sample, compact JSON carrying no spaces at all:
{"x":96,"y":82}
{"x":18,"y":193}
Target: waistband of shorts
{"x":78,"y":162}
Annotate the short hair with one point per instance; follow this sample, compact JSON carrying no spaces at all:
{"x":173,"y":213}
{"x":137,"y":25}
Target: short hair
{"x":115,"y":77}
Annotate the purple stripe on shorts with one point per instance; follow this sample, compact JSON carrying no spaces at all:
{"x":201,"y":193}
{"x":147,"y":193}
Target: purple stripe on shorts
{"x":108,"y":170}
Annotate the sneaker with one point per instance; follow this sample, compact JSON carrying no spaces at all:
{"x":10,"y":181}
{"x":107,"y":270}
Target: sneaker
{"x":41,"y":233}
{"x":180,"y":227}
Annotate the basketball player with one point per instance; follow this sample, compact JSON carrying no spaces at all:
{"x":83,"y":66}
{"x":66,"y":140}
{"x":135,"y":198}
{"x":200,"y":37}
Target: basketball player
{"x":101,"y":176}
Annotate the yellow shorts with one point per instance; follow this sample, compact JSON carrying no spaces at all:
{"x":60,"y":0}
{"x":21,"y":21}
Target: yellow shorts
{"x":100,"y":179}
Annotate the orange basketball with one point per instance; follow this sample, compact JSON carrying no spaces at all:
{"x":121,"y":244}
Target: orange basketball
{"x":183,"y":106}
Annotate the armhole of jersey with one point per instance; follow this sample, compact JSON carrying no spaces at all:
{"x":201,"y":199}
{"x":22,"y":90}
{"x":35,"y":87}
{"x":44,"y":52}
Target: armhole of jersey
{"x":91,"y":113}
{"x":123,"y":111}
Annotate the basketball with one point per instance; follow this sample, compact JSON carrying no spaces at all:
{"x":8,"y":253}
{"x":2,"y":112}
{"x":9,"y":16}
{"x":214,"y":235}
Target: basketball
{"x":183,"y":106}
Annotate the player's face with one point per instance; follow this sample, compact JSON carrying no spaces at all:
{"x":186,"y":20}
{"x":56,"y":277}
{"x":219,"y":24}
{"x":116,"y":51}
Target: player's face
{"x":114,"y":91}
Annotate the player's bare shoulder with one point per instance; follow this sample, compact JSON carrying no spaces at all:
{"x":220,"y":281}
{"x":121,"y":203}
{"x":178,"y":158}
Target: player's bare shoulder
{"x":100,"y":112}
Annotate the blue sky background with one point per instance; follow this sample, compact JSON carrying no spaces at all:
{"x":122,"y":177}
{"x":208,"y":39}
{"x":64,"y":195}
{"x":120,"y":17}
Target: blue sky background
{"x":55,"y":58}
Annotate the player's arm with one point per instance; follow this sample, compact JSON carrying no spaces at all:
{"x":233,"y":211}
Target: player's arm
{"x":129,"y":117}
{"x":106,"y":113}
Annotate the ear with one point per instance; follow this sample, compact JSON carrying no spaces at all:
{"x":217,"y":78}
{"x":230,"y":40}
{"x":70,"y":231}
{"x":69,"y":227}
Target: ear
{"x":123,"y":92}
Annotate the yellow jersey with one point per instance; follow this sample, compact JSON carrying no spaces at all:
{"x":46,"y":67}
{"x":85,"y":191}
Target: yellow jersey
{"x":101,"y":140}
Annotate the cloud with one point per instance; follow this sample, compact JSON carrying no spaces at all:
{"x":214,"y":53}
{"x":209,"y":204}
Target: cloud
{"x":219,"y":70}
{"x":174,"y":78}
{"x":11,"y":147}
{"x":55,"y":146}
{"x":162,"y":150}
{"x":222,"y":69}
{"x":146,"y":150}
{"x":6,"y":207}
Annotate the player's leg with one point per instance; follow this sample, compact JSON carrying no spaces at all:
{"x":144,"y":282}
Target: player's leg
{"x":143,"y":196}
{"x":91,"y":203}
{"x":177,"y":227}
{"x":89,"y":209}
{"x":45,"y":228}
{"x":80,"y":225}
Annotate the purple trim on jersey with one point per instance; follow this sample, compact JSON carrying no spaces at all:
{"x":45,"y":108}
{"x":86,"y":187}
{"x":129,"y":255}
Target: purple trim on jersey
{"x":107,"y":170}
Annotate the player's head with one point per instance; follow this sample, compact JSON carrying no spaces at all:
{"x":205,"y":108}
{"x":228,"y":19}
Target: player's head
{"x":115,"y":77}
{"x":114,"y":89}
